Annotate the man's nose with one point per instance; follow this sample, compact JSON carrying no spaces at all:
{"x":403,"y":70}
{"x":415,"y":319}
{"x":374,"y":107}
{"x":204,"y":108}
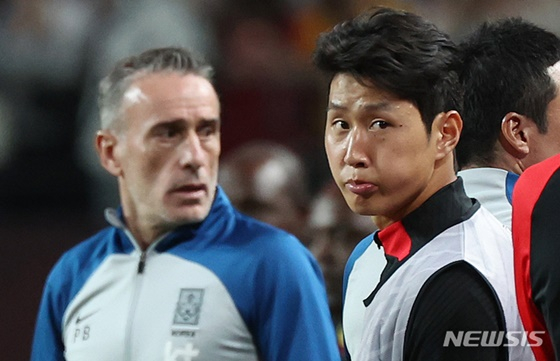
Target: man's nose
{"x":356,"y":149}
{"x":192,"y":154}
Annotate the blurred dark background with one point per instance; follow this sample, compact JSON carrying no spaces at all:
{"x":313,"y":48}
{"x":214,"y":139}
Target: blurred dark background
{"x":53,"y":53}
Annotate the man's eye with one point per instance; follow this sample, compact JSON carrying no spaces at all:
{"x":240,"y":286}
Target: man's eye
{"x":208,"y":129}
{"x":167,"y":132}
{"x":340,"y":124}
{"x":379,"y":124}
{"x":170,"y":132}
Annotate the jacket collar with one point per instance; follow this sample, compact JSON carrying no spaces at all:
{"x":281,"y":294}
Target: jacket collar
{"x":445,"y":208}
{"x":219,"y":220}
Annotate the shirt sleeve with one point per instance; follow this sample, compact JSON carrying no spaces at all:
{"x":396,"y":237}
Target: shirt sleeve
{"x":47,"y":340}
{"x":455,"y":300}
{"x":293,"y":317}
{"x":544,"y":266}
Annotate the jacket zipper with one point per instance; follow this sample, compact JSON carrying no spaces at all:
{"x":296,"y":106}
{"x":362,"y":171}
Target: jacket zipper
{"x":142,"y":262}
{"x":136,"y":293}
{"x":134,"y":304}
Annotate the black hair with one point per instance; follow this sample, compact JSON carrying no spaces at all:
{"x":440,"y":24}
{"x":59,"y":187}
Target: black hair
{"x":399,"y":52}
{"x":505,"y":69}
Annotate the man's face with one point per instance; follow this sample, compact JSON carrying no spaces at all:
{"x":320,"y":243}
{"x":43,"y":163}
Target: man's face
{"x":378,"y":149}
{"x":168,"y":150}
{"x":262,"y":188}
{"x":548,"y":144}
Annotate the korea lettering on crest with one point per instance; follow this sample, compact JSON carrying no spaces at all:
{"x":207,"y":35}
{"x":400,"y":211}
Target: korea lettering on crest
{"x":188,"y":307}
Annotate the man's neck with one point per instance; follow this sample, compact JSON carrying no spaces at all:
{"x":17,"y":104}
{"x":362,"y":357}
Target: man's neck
{"x":382,"y":222}
{"x":144,"y":234}
{"x":501,"y":160}
{"x":514,"y":167}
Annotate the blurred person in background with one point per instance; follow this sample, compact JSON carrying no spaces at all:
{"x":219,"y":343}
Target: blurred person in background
{"x":309,"y":18}
{"x":334,"y":233}
{"x":269,"y":92}
{"x":459,"y":18}
{"x":268,"y":181}
{"x":7,"y":138}
{"x":42,"y":43}
{"x":179,"y":272}
{"x":511,"y":112}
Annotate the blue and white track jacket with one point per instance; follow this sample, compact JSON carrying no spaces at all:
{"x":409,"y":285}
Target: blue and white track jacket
{"x":493,"y":187}
{"x":230,"y":288}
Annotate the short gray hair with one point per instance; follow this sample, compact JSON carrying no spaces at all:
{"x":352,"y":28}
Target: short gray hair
{"x":169,"y":59}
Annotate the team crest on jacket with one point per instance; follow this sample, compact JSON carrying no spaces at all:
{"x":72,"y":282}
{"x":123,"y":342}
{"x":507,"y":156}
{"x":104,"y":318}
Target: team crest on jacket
{"x":188,"y":306}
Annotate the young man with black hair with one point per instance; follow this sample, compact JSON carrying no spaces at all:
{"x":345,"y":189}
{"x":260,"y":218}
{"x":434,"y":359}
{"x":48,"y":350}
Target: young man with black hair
{"x":511,"y":108}
{"x":393,"y":123}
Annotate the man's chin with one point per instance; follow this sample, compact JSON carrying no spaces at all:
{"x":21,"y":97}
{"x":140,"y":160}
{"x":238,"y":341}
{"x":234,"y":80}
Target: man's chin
{"x":187,"y":216}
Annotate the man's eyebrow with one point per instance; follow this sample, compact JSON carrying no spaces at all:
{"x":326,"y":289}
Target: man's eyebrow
{"x":335,"y":106}
{"x":175,"y":120}
{"x":168,"y":123}
{"x":211,"y":120}
{"x":382,"y":105}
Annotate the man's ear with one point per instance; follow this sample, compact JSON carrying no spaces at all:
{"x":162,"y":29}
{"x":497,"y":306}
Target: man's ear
{"x":448,"y":126}
{"x":514,"y":134}
{"x":105,"y":144}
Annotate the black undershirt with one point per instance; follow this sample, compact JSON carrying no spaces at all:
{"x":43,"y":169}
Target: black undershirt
{"x":455,"y":298}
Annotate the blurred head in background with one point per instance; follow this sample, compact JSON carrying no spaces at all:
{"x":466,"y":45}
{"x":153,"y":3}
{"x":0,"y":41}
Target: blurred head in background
{"x":269,"y":182}
{"x":334,"y":232}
